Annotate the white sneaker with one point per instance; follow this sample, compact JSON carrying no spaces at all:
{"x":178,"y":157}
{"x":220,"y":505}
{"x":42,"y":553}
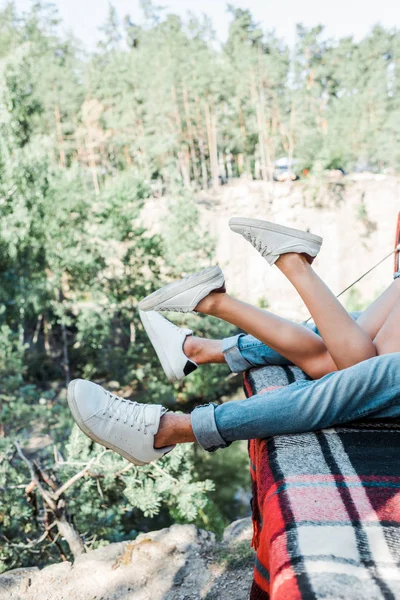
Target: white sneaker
{"x":168,"y":340}
{"x":122,"y":425}
{"x":272,"y":240}
{"x":185,"y":294}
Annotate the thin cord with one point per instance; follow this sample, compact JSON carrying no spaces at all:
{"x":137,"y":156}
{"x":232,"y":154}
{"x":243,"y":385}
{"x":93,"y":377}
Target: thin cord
{"x":362,"y":276}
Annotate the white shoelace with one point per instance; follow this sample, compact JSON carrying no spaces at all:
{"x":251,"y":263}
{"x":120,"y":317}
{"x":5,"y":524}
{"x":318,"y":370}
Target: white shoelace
{"x":131,"y":412}
{"x":257,"y":243}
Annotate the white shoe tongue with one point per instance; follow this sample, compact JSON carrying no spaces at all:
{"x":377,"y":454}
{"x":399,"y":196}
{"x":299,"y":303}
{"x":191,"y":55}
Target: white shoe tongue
{"x":153,"y":417}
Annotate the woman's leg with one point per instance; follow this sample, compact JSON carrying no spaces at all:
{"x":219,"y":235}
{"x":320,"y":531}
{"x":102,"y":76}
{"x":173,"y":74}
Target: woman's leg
{"x":373,"y":318}
{"x":387,"y":339}
{"x":343,"y":342}
{"x":347,"y":343}
{"x":205,"y":351}
{"x":297,"y":343}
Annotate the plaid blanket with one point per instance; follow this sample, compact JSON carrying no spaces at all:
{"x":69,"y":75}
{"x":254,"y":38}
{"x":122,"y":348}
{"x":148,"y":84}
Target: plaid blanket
{"x":326,"y":508}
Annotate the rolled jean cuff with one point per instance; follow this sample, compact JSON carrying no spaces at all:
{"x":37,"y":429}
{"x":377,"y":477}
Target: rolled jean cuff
{"x":205,"y":428}
{"x":233,"y":357}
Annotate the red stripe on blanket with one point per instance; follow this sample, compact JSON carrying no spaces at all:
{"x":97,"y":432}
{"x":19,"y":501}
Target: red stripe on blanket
{"x":270,"y":531}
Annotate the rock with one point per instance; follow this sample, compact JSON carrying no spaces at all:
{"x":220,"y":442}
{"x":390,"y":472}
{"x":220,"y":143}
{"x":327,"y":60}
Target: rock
{"x":239,"y":531}
{"x":178,"y":562}
{"x":14,"y":584}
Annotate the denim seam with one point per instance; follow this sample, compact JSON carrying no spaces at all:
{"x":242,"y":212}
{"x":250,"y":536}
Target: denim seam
{"x":367,"y":412}
{"x":249,"y":346}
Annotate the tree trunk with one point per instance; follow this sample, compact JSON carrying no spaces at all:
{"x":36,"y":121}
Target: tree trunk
{"x":46,"y":337}
{"x":183,"y":163}
{"x":221,"y":165}
{"x":262,"y":163}
{"x":184,"y":169}
{"x":291,"y":135}
{"x":92,"y":165}
{"x":60,"y":139}
{"x":229,"y":161}
{"x":66,"y":365}
{"x":240,"y":164}
{"x":190,"y":136}
{"x":211,"y":134}
{"x":200,"y":137}
{"x":67,"y":371}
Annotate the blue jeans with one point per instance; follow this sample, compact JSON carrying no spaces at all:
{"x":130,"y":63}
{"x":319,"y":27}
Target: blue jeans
{"x":369,"y":389}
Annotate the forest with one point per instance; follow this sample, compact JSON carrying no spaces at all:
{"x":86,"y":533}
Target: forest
{"x":160,"y":109}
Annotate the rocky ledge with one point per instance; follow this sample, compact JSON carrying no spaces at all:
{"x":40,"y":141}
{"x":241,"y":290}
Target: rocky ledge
{"x":177,"y":563}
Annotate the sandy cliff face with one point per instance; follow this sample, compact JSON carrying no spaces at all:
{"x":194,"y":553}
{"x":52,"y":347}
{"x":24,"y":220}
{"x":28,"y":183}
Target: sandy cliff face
{"x":356,"y":216}
{"x":357,"y":222}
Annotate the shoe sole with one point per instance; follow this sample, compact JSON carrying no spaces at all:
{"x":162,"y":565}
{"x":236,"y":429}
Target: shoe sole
{"x":268,"y":226}
{"x":176,"y":287}
{"x":159,"y":350}
{"x":79,"y":421}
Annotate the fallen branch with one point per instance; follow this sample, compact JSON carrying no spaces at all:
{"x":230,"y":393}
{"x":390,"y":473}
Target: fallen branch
{"x":47,"y":497}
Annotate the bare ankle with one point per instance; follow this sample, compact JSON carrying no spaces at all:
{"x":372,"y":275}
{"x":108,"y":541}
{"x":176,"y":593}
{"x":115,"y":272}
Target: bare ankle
{"x":174,"y":429}
{"x":203,"y":350}
{"x":161,"y":438}
{"x":291,"y":261}
{"x":209,"y":305}
{"x":192,"y":347}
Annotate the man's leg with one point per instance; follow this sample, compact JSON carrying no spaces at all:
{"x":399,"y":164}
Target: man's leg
{"x":368,"y":389}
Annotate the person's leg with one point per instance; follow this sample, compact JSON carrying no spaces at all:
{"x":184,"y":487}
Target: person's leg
{"x":372,"y":319}
{"x":298,"y":344}
{"x":346,"y":342}
{"x":240,"y":352}
{"x":387,"y":339}
{"x":243,"y":351}
{"x":370,"y":388}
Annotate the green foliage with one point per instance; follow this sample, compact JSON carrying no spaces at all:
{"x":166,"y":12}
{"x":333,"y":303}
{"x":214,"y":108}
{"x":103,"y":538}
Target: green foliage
{"x":85,"y":142}
{"x":11,"y":359}
{"x":106,"y":503}
{"x":75,"y":259}
{"x":186,"y":243}
{"x":236,"y":557}
{"x":354,"y":303}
